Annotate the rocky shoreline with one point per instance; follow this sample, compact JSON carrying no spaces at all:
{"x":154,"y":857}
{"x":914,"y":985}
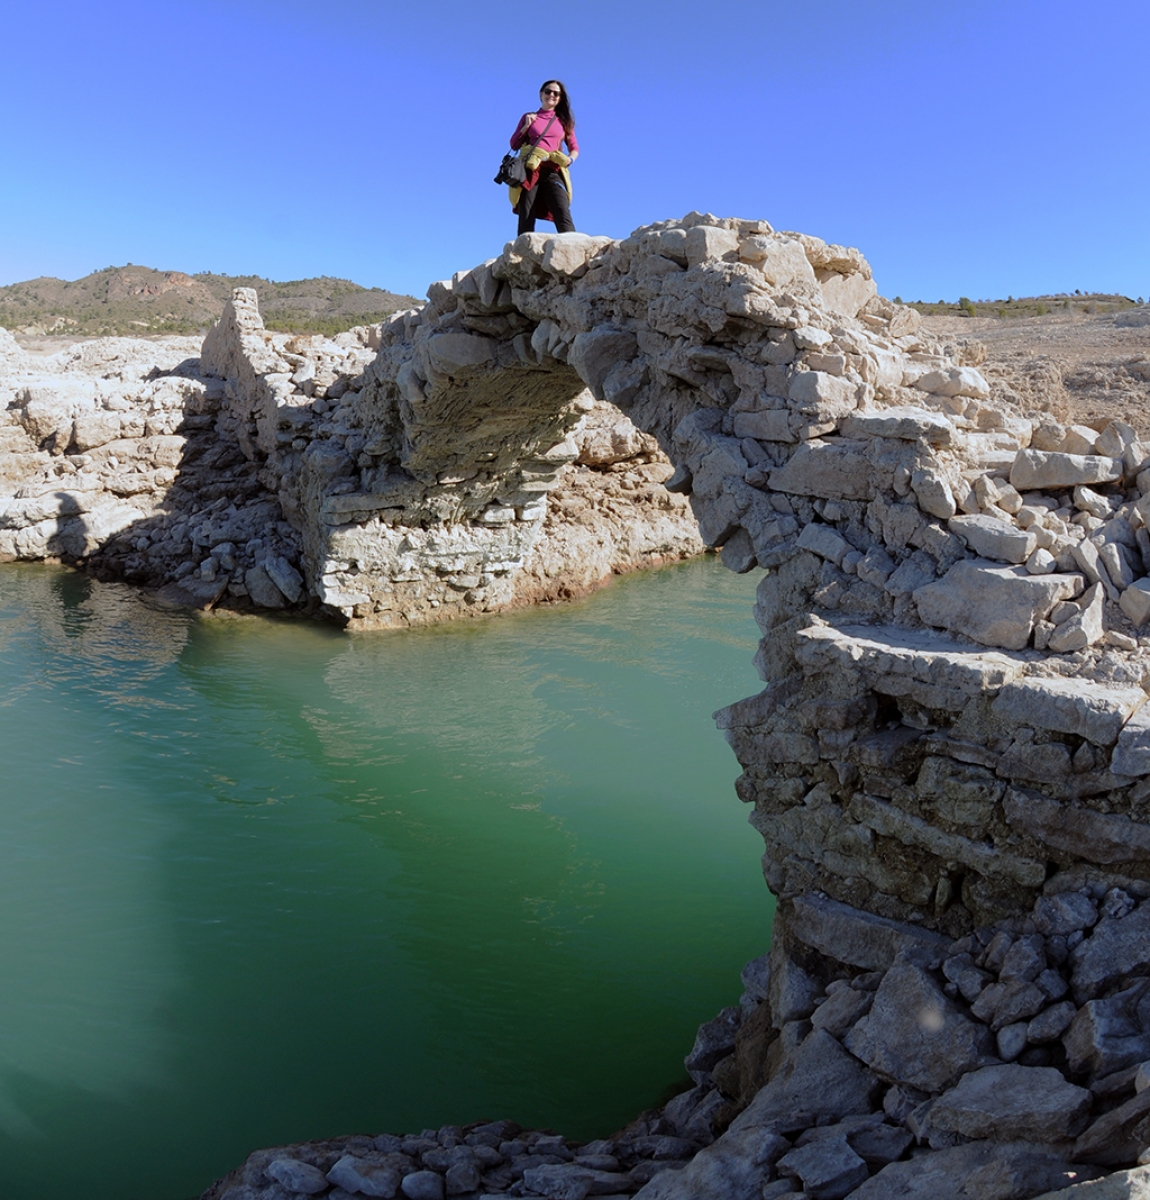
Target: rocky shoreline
{"x":112,"y":460}
{"x":949,"y":762}
{"x":866,"y":1059}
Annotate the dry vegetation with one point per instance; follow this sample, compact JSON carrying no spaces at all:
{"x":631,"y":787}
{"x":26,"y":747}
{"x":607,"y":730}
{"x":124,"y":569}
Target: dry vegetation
{"x":1063,"y":304}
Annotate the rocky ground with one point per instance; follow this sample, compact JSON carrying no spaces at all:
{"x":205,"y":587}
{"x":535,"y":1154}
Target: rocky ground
{"x":1079,"y":368}
{"x":111,"y":460}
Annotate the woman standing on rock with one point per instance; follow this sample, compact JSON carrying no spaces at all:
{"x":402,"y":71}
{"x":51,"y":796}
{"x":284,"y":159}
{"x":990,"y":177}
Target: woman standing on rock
{"x":546,"y":192}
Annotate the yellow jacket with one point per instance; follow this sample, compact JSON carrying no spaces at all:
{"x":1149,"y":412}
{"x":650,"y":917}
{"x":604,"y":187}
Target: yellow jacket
{"x":533,"y":159}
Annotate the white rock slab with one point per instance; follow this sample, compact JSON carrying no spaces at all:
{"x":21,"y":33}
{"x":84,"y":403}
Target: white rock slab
{"x":1036,"y":470}
{"x":991,"y":537}
{"x":992,"y":605}
{"x":1094,"y":711}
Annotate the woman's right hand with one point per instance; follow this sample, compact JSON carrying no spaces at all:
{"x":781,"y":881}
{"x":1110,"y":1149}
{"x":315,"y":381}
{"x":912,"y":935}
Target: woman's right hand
{"x":527,"y":122}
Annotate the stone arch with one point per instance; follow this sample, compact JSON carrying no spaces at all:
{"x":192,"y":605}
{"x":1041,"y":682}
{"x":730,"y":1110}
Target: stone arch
{"x":461,"y":422}
{"x":954,"y":721}
{"x":931,"y":554}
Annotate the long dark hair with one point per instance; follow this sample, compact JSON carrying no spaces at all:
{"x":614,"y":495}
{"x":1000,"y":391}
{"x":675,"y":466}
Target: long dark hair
{"x":563,"y":108}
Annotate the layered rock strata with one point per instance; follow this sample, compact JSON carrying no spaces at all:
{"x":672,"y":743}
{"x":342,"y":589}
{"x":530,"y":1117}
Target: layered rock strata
{"x":125,"y":457}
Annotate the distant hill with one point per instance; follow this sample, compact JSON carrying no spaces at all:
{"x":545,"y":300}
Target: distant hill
{"x":1026,"y":306}
{"x":140,"y":300}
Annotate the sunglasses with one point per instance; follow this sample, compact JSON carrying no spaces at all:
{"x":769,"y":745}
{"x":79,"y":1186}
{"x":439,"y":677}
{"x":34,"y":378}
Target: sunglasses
{"x":550,"y":92}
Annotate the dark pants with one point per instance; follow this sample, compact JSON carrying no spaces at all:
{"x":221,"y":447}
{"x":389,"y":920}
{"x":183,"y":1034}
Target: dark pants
{"x":548,"y":195}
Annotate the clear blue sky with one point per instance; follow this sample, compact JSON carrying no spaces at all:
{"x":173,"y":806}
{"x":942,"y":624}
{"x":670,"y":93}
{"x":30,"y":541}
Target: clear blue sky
{"x":979,"y":148}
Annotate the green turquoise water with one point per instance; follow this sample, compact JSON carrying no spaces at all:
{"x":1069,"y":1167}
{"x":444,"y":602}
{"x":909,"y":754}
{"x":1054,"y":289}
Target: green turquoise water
{"x":265,"y":881}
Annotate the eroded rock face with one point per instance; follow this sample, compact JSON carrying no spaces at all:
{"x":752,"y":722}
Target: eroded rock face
{"x":953,"y":736}
{"x":126,"y":457}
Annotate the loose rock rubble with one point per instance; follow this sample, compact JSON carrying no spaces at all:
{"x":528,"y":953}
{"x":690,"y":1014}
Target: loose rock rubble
{"x":111,"y":458}
{"x":871,"y":1058}
{"x":493,"y":1158}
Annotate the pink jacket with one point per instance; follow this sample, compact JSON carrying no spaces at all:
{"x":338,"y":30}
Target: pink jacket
{"x":552,"y":141}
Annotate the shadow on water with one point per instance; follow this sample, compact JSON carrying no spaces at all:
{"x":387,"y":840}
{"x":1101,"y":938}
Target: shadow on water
{"x":280,"y":883}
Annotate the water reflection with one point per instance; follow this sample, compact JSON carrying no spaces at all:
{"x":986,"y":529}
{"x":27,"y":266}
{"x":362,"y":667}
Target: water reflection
{"x":275,"y":881}
{"x":83,"y":977}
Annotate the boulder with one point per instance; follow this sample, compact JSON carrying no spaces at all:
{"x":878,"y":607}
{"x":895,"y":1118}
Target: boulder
{"x":1116,"y":949}
{"x":736,"y":1167}
{"x":900,"y":421}
{"x":299,"y":1178}
{"x":1119,"y":1137}
{"x":990,"y":537}
{"x":839,"y":471}
{"x":1041,"y":470}
{"x":1135,"y":601}
{"x":1075,"y":706}
{"x":827,"y":1169}
{"x":368,"y":1179}
{"x":1012,"y":1103}
{"x":459,"y":353}
{"x":1083,"y":628}
{"x":820,"y":1078}
{"x":857,"y":938}
{"x":1111,"y":1033}
{"x":915,"y":1035}
{"x":992,"y":605}
{"x":978,"y":1171}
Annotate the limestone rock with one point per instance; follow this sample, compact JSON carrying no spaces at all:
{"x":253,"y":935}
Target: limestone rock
{"x":996,"y":606}
{"x":1039,"y":470}
{"x":1118,"y":1137}
{"x":1135,"y":601}
{"x":992,"y":538}
{"x":1132,"y":750}
{"x":914,"y":1035}
{"x":297,"y":1177}
{"x":840,"y":472}
{"x":906,"y":422}
{"x":425,"y":1185}
{"x":840,"y":1011}
{"x":1012,"y":1103}
{"x":1088,"y":710}
{"x":1121,"y":1185}
{"x":1110,"y":1034}
{"x":738,"y":1164}
{"x":820,"y":1078}
{"x":1115,"y":948}
{"x":369,"y":1179}
{"x":933,"y":493}
{"x":978,"y":1171}
{"x":1083,"y":628}
{"x":1103,"y":838}
{"x":857,"y":938}
{"x":827,"y":1169}
{"x":1064,"y":912}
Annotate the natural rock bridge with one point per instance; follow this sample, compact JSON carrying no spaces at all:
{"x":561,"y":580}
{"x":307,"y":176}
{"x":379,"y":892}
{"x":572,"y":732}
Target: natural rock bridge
{"x":953,"y":742}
